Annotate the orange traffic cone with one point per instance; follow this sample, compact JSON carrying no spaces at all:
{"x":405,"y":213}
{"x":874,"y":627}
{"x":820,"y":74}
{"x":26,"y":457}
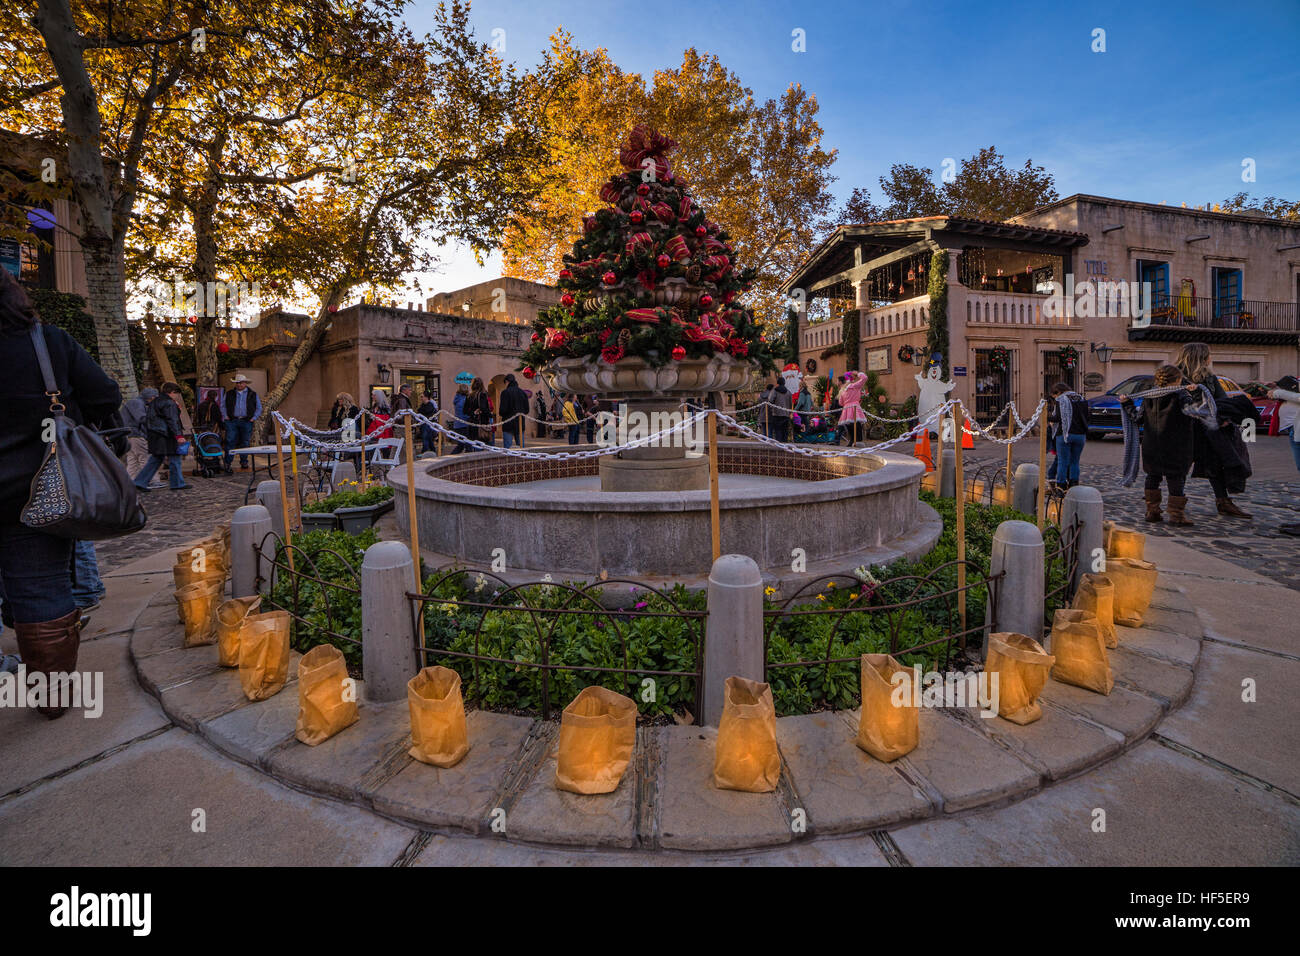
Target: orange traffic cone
{"x":967,"y":441}
{"x":921,"y":450}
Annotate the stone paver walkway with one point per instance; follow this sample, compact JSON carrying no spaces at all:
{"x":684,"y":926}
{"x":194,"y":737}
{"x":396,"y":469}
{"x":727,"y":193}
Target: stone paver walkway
{"x":1214,"y":781}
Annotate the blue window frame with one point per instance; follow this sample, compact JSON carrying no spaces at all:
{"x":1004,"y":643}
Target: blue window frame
{"x":1227,"y":295}
{"x":1157,"y":273}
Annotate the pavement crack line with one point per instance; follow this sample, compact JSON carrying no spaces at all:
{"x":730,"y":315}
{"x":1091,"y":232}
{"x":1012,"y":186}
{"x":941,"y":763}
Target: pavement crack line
{"x":413,"y":849}
{"x":1230,"y":770}
{"x":1237,"y":645}
{"x":889,"y":849}
{"x":102,"y":755}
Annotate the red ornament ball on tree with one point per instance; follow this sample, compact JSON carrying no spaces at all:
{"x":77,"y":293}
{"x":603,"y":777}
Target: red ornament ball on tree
{"x":566,"y":274}
{"x":332,"y":308}
{"x":610,"y":278}
{"x":528,"y":371}
{"x":643,"y":190}
{"x":566,"y":299}
{"x":536,"y":337}
{"x":222,"y":348}
{"x":706,"y":300}
{"x":701,"y":231}
{"x":679,"y":353}
{"x":636,"y":216}
{"x":663,"y":261}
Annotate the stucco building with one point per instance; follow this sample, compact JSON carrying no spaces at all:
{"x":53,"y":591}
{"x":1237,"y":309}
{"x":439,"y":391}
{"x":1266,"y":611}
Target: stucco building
{"x":1055,"y":295}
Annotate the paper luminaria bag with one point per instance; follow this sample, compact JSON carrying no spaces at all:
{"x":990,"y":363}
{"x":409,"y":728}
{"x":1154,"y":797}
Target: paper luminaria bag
{"x":1135,"y":583}
{"x":1080,"y":651}
{"x":198,"y":606}
{"x":1096,"y":595}
{"x":438,"y":732}
{"x":745,"y":755}
{"x":1121,"y":542}
{"x":886,"y":731}
{"x":326,"y":698}
{"x":597,"y":735}
{"x":264,"y":654}
{"x":230,"y":620}
{"x":1022,"y":667}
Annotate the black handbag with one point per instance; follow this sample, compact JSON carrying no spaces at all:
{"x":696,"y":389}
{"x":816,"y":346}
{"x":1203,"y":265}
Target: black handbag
{"x":80,"y":490}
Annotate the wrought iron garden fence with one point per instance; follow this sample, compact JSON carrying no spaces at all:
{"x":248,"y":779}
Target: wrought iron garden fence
{"x":526,"y":644}
{"x":916,"y":618}
{"x":1061,"y":559}
{"x":319,"y":588}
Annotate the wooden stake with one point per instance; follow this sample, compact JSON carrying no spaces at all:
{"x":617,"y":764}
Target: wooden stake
{"x":363,"y":449}
{"x":714,"y":515}
{"x":293,"y":464}
{"x":959,"y":484}
{"x":1042,"y":469}
{"x":284,"y":492}
{"x":1010,"y":431}
{"x":415,"y":528}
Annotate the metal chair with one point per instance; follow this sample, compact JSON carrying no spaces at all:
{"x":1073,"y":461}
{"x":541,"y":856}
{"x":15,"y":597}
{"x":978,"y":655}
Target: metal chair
{"x":388,"y":452}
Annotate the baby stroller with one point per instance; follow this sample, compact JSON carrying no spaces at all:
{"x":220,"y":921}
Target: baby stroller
{"x":209,"y":456}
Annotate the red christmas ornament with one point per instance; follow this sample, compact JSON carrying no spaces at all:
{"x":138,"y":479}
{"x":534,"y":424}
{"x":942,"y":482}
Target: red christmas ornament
{"x":729,"y":296}
{"x":679,"y":353}
{"x":192,"y":319}
{"x":535,"y":337}
{"x":222,"y":348}
{"x":528,"y":370}
{"x":566,"y":299}
{"x":701,"y":231}
{"x":706,"y":300}
{"x":609,"y":278}
{"x":663,"y":261}
{"x":566,"y":274}
{"x":636,"y":216}
{"x":332,"y":308}
{"x":643,"y":190}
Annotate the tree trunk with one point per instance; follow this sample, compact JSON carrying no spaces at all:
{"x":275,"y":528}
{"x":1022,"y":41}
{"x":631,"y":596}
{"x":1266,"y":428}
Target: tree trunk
{"x":205,"y":265}
{"x":106,"y":283}
{"x":311,"y":338}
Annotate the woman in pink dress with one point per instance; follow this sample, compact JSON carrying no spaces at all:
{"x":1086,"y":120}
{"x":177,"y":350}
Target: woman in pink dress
{"x":851,"y":412}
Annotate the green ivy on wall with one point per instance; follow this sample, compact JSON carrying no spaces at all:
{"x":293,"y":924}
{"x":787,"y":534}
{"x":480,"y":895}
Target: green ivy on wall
{"x":850,"y":337}
{"x":68,"y":312}
{"x":936,"y":338}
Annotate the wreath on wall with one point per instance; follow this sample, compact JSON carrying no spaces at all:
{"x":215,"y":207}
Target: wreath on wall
{"x":1000,"y":358}
{"x":906,"y":353}
{"x":1069,"y":356}
{"x":811,"y":366}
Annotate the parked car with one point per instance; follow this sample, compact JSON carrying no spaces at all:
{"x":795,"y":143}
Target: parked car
{"x":1104,"y":412}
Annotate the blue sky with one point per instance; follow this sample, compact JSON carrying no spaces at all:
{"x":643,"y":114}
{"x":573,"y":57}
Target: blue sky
{"x":1182,"y":94}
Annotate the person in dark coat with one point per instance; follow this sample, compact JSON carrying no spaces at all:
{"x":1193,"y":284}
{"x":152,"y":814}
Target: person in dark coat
{"x":35,"y":566}
{"x":514,"y":402}
{"x":1167,"y":438}
{"x":162,"y":425}
{"x":1067,"y":415}
{"x":477,"y":411}
{"x":1215,"y":454}
{"x":429,"y":409}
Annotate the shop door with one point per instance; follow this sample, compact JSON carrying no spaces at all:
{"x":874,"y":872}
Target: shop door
{"x":992,"y":388}
{"x":1054,"y":371}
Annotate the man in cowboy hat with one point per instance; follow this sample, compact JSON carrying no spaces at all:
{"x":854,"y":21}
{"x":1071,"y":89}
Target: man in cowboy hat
{"x":239,"y":410}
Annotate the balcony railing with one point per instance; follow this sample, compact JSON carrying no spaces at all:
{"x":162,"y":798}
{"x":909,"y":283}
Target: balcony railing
{"x":905,"y":316}
{"x":1210,"y":313}
{"x":1012,"y":308}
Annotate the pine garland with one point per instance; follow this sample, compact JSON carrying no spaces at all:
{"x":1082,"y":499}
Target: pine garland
{"x":936,"y":337}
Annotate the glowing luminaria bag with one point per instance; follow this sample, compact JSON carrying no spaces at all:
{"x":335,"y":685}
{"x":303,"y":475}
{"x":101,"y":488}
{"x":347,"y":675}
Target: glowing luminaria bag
{"x":326,"y":698}
{"x":746,"y":757}
{"x":1096,"y":595}
{"x":438,"y":733}
{"x":1022,"y":667}
{"x":198,"y":606}
{"x":885,"y":731}
{"x":1135,"y":583}
{"x":597,"y":735}
{"x":1080,"y":651}
{"x":230,"y":620}
{"x":264,"y":654}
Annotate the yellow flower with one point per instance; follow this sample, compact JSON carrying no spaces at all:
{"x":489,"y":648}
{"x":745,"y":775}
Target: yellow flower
{"x":769,"y":591}
{"x":821,"y":597}
{"x":831,"y":585}
{"x":853,"y":597}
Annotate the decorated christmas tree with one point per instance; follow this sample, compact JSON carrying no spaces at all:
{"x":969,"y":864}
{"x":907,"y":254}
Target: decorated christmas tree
{"x":651,"y":278}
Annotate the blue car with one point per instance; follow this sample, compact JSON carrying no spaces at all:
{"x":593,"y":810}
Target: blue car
{"x":1104,"y":411}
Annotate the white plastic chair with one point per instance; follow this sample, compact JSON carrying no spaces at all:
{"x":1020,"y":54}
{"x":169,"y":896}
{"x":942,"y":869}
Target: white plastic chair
{"x":388,"y":452}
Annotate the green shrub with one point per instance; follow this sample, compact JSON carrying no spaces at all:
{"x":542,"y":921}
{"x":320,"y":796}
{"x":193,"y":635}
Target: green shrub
{"x":350,"y":499}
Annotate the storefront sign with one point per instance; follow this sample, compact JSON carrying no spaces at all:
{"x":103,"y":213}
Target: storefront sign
{"x":878,"y":359}
{"x":959,"y":370}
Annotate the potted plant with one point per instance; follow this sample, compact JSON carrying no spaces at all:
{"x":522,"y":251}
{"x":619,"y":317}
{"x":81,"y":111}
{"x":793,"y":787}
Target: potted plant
{"x":353,"y":507}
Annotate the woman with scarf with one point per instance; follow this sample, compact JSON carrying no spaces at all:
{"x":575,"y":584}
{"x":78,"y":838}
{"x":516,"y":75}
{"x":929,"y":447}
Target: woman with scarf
{"x":1068,"y":414}
{"x":1167,"y":426}
{"x":1219,"y":454}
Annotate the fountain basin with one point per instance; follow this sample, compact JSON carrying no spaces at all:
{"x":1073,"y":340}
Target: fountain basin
{"x":548,"y":517}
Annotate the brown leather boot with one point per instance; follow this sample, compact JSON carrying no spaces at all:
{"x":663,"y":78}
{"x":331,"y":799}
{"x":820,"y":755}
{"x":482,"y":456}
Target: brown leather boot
{"x":1226,"y":507}
{"x":1177,"y":511}
{"x":1153,"y":504}
{"x":50,"y":647}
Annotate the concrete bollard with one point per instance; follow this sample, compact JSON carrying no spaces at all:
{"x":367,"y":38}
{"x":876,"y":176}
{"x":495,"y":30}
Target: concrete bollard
{"x":1018,"y":550}
{"x":248,"y":527}
{"x":1085,"y":502}
{"x":948,"y":474}
{"x":268,"y":496}
{"x":342,"y":471}
{"x":733,"y":640}
{"x":387,"y":621}
{"x":1024,"y":488}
